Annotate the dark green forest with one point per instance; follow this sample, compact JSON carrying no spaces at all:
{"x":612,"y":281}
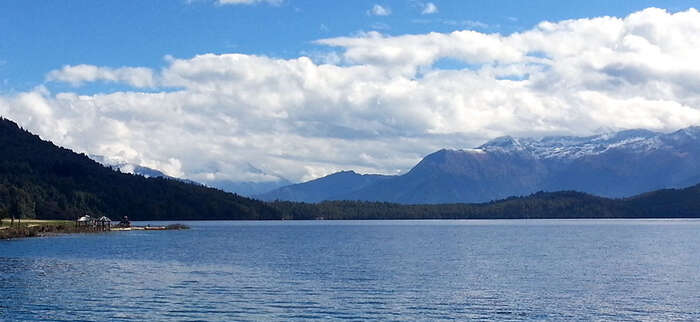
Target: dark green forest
{"x":41,"y":180}
{"x":683,"y":203}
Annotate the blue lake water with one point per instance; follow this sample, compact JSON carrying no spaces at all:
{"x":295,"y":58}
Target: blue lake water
{"x":358,"y":270}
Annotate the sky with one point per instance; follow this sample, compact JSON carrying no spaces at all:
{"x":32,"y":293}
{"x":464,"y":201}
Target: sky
{"x":254,"y":90}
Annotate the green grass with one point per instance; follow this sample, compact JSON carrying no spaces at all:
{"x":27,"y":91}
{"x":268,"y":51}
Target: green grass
{"x":6,"y":222}
{"x":36,"y":227}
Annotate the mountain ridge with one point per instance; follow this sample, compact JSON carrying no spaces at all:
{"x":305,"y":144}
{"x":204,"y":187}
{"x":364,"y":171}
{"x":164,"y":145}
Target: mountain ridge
{"x":619,"y":164}
{"x":338,"y":183}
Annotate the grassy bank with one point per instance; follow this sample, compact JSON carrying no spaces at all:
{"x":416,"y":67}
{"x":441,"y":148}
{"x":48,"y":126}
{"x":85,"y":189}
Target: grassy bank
{"x":6,"y":222}
{"x":35,"y":227}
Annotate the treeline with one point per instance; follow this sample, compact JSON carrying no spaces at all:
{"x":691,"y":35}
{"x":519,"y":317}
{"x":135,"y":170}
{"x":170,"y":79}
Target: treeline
{"x":564,"y":205}
{"x":41,"y":180}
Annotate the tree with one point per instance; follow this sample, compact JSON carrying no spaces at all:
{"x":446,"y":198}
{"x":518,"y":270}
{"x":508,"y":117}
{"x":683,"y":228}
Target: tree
{"x":13,"y":205}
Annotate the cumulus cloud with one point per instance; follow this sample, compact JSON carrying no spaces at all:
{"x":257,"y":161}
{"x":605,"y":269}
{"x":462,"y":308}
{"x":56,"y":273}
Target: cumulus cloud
{"x":382,"y":102}
{"x":429,"y":8}
{"x":378,"y":10}
{"x":80,"y":74}
{"x":404,"y":54}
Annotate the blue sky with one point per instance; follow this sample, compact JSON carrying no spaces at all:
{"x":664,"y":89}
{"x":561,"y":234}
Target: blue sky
{"x":255,"y":90}
{"x":39,"y":36}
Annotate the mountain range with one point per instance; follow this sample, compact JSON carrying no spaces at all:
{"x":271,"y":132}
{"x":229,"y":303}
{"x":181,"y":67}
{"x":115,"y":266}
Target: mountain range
{"x":41,"y":180}
{"x":619,"y":164}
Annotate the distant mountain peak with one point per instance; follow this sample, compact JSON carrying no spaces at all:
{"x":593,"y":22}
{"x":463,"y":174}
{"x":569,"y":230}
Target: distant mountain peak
{"x":336,"y":184}
{"x":692,"y":132}
{"x":131,"y":168}
{"x":502,"y":142}
{"x":346,"y":172}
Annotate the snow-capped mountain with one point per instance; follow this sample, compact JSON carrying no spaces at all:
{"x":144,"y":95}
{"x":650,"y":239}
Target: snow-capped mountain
{"x":126,"y":167}
{"x":572,"y":148}
{"x":243,"y":188}
{"x":613,"y":165}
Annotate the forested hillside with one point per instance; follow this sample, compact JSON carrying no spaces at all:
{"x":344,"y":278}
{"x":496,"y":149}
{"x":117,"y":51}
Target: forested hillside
{"x":41,"y":180}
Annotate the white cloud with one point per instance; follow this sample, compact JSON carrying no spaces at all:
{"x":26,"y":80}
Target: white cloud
{"x":79,"y":74}
{"x":248,"y":2}
{"x":381,"y":102}
{"x":404,"y":54}
{"x":380,"y":26}
{"x":429,"y":8}
{"x":378,"y":10}
{"x":465,"y":23}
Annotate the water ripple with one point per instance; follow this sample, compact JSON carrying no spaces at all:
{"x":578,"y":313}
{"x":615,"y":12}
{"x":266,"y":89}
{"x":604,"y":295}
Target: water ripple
{"x":429,"y":270}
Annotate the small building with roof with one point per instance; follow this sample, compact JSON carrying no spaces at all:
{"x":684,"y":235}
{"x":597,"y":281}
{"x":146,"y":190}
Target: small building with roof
{"x":104,"y":223}
{"x":85,"y":221}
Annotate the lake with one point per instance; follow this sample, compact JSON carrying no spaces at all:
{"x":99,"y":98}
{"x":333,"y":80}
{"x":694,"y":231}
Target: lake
{"x":359,"y":270}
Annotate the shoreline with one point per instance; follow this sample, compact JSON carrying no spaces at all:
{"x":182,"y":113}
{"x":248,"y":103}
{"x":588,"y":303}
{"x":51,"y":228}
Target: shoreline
{"x":45,"y":228}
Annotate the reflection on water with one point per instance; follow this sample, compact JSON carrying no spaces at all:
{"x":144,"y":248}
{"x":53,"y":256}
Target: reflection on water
{"x":424,"y":270}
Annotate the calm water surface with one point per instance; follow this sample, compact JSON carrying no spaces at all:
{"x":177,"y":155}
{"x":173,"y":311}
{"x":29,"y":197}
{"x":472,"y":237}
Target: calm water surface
{"x":394,"y":270}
